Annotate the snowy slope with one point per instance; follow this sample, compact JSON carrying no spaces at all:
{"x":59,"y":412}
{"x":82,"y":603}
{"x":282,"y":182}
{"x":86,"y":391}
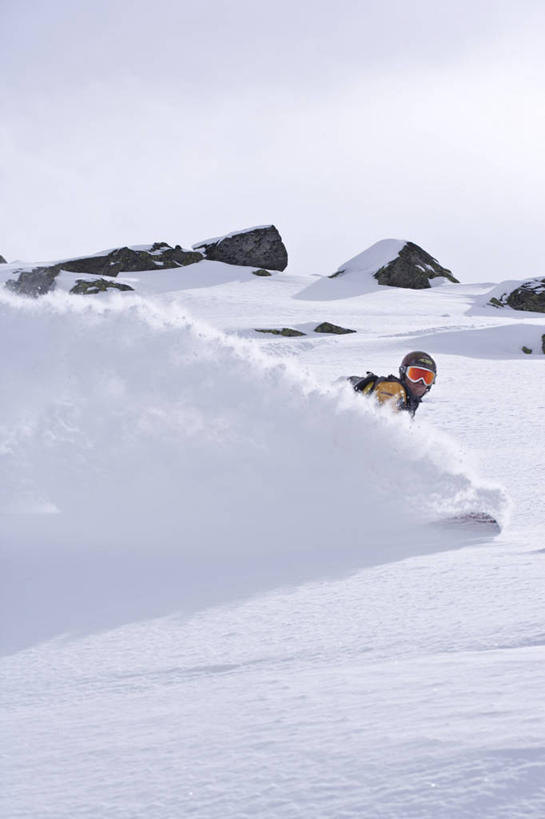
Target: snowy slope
{"x":248,"y":608}
{"x":375,"y":257}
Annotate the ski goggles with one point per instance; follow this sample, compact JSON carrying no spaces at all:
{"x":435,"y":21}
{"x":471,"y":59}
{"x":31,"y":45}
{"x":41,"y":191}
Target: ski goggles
{"x":416,"y":374}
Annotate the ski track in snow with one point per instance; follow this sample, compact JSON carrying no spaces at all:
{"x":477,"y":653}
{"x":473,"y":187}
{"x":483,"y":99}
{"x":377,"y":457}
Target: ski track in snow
{"x":249,"y":612}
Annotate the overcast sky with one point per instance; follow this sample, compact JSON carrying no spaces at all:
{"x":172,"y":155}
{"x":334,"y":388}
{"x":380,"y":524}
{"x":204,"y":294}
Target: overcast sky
{"x":342,"y":122}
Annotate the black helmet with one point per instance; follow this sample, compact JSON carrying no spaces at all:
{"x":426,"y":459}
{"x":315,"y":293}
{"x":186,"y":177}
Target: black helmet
{"x":417,"y":359}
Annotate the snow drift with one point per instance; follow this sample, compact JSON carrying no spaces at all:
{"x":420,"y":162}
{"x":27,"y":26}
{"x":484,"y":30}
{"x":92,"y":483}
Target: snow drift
{"x":361,"y":268}
{"x":159,"y":465}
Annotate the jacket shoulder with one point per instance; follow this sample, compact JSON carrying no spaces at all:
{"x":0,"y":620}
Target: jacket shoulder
{"x":390,"y":389}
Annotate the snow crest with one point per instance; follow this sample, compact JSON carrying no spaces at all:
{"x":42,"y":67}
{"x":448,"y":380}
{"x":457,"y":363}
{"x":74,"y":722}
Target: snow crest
{"x":375,"y":257}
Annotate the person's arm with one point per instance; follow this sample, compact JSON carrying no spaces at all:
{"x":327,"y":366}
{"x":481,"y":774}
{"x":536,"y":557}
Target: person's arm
{"x":365,"y":384}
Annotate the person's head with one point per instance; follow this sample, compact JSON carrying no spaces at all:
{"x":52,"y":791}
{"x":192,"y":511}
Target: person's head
{"x":418,"y":372}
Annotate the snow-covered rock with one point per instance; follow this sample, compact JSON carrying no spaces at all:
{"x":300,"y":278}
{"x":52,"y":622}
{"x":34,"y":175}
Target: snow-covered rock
{"x":396,"y":263}
{"x":529,"y":296}
{"x":335,"y":329}
{"x":86,"y":287}
{"x":158,"y":256}
{"x":130,"y":259}
{"x":256,"y":247}
{"x":35,"y":282}
{"x":287,"y":332}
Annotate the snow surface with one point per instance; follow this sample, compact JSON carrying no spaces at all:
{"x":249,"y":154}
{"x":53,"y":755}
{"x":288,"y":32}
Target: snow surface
{"x":224,"y":592}
{"x":375,"y":257}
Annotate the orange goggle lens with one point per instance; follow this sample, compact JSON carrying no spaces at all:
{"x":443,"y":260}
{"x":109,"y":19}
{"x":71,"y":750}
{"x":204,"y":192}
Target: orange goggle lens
{"x":415,"y":374}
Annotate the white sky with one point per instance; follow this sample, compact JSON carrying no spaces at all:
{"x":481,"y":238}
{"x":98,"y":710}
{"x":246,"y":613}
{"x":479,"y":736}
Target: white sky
{"x":131,"y":121}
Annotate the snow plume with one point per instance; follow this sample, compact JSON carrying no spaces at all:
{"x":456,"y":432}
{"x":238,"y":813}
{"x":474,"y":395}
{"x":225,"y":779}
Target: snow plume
{"x":180,"y":465}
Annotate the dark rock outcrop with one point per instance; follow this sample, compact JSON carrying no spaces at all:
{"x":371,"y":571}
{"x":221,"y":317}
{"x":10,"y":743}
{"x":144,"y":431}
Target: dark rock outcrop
{"x":326,"y":327}
{"x":529,"y":296}
{"x":413,"y":268}
{"x":159,"y":256}
{"x":286,"y":331}
{"x":257,"y":247}
{"x":36,"y":282}
{"x":543,"y":344}
{"x":526,"y":350}
{"x":2,"y":260}
{"x":261,"y":273}
{"x":86,"y":287}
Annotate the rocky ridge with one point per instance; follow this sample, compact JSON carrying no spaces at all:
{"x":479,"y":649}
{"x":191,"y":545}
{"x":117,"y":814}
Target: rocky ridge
{"x":159,"y":256}
{"x":260,"y":248}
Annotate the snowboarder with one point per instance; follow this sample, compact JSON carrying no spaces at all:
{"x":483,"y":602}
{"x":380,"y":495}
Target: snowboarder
{"x":417,"y":375}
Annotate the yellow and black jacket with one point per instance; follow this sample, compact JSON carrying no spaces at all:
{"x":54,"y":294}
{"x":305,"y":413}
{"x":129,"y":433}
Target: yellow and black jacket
{"x":386,"y":389}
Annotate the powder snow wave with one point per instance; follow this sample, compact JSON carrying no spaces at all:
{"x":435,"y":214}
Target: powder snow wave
{"x":153,"y":440}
